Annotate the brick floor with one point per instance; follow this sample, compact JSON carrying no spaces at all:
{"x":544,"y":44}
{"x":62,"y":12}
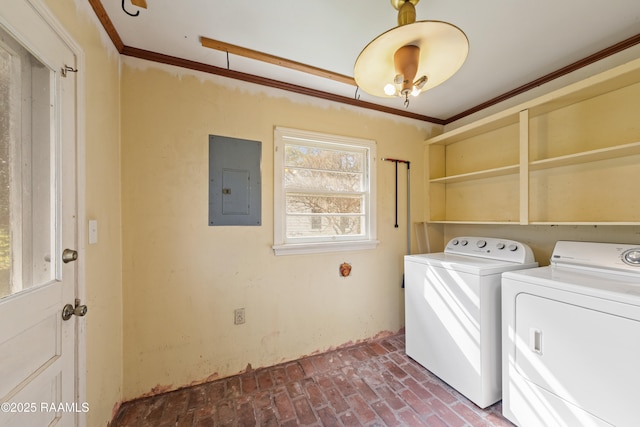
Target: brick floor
{"x":368,"y":384}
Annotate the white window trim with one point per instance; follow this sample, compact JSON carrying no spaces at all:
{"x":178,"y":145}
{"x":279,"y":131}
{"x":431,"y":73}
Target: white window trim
{"x":280,"y":246}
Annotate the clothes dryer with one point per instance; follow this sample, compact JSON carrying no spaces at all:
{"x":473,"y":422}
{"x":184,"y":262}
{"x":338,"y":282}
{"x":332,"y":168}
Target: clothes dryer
{"x":571,"y":338}
{"x":452,"y":311}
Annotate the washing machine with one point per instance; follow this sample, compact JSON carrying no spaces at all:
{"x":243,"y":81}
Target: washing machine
{"x":452,"y":312}
{"x":571,"y":338}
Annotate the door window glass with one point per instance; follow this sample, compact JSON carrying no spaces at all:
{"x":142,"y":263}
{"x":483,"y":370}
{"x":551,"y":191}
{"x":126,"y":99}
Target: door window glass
{"x":27,"y":196}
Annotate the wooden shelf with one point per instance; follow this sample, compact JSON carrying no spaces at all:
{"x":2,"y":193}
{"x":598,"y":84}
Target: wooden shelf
{"x":601,"y":223}
{"x":476,"y":222}
{"x":587,"y":156}
{"x":496,"y":121}
{"x":616,"y":78}
{"x":489,"y":173}
{"x":562,"y":121}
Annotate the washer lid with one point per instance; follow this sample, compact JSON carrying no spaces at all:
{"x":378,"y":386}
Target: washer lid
{"x":467,"y":264}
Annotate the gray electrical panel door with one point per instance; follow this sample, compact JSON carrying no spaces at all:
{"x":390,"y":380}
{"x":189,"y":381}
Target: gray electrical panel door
{"x":234,"y":181}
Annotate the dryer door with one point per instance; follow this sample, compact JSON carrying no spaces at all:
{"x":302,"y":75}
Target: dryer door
{"x":582,"y":350}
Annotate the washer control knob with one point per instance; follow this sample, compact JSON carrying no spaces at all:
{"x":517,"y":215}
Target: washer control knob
{"x":632,"y":257}
{"x":464,"y":243}
{"x":481,"y":243}
{"x":454,"y":242}
{"x":500,"y":245}
{"x":513,"y":247}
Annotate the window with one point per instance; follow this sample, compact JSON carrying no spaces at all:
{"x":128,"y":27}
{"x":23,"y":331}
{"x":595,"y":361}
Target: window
{"x":27,"y":153}
{"x":323,"y":198}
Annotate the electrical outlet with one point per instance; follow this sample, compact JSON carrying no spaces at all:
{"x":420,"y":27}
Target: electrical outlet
{"x":238,"y":316}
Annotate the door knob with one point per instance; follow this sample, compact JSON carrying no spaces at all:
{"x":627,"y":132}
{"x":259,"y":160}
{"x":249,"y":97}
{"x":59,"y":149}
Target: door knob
{"x":69,"y":255}
{"x":69,"y":310}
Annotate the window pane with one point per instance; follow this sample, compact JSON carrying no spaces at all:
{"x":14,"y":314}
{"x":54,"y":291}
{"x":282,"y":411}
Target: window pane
{"x":312,"y":215}
{"x":5,"y":174}
{"x":324,"y":159}
{"x":313,"y":203}
{"x":305,"y":226}
{"x":323,"y":180}
{"x":26,"y":198}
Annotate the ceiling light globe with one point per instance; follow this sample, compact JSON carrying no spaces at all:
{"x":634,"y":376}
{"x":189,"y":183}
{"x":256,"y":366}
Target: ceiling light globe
{"x":389,"y":89}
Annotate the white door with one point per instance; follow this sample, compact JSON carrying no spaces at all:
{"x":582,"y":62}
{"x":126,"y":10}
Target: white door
{"x":37,"y":221}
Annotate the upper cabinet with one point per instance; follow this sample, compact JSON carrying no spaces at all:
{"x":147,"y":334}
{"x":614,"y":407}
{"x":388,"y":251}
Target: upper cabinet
{"x":569,"y":157}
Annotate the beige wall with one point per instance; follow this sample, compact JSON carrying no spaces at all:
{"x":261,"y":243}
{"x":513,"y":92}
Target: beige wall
{"x":103,"y":261}
{"x":183,"y":279}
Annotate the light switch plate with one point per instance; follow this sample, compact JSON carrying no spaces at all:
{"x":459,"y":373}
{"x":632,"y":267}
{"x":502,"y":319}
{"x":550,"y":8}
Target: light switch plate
{"x":93,"y":231}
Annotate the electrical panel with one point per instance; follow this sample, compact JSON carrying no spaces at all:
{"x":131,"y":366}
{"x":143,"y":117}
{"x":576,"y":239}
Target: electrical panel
{"x":235,"y":184}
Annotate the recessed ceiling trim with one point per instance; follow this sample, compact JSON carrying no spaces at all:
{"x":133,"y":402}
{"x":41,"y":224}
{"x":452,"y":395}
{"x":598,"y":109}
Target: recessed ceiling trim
{"x":275,"y":60}
{"x":198,"y":66}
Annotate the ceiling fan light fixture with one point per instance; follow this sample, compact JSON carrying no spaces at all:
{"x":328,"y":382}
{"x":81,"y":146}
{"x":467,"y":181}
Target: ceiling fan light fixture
{"x":419,"y":84}
{"x":390,"y":89}
{"x":406,"y":11}
{"x":434,"y":50}
{"x":405,"y":60}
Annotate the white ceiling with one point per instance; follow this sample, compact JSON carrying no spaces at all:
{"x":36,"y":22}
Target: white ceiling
{"x":512,"y":42}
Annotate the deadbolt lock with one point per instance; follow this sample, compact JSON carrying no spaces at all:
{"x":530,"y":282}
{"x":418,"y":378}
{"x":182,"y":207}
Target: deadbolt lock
{"x":69,"y":310}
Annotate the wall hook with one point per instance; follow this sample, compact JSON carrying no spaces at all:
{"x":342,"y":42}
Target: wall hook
{"x":128,"y":13}
{"x":67,"y":69}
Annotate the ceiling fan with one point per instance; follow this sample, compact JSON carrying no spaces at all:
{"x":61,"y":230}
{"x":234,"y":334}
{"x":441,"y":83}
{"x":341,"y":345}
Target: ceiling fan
{"x":411,"y":58}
